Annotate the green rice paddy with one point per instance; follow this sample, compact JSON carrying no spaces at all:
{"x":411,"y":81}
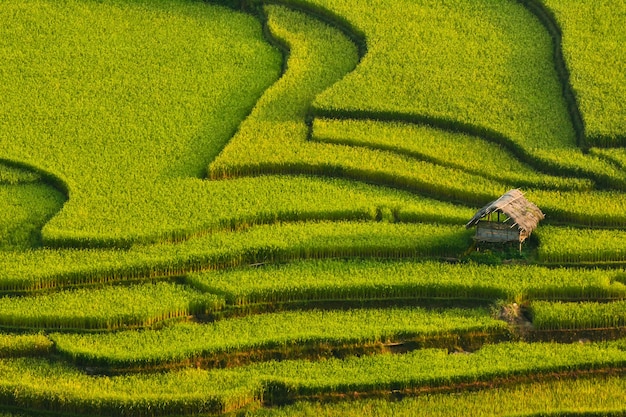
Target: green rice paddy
{"x":241,"y":207}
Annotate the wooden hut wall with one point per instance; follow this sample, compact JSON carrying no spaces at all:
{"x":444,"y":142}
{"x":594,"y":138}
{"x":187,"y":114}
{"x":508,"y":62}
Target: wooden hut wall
{"x":495,"y":232}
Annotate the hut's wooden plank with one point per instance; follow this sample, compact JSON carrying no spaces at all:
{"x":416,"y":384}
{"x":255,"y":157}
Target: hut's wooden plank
{"x":494,"y":232}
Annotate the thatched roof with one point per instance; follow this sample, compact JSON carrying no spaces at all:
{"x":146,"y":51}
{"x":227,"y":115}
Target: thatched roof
{"x":524,"y":214}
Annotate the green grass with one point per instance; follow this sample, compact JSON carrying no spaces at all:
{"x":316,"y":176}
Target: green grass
{"x":108,"y":308}
{"x":309,"y":333}
{"x":598,"y":74}
{"x":434,"y":368}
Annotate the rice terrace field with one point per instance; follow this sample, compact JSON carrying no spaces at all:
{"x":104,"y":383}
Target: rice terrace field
{"x":258,"y":207}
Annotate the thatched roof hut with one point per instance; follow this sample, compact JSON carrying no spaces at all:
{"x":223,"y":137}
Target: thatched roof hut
{"x":516,"y":219}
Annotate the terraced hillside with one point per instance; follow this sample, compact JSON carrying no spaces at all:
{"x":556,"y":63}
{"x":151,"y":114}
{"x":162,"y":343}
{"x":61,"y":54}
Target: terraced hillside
{"x":258,"y":208}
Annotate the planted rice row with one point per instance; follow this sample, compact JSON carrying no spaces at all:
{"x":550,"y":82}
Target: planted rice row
{"x":107,"y":116}
{"x":306,"y":284}
{"x":506,"y":90}
{"x":599,"y":88}
{"x":107,"y":308}
{"x":46,"y":269}
{"x":301,"y":334}
{"x":317,"y":281}
{"x":579,"y":397}
{"x":452,"y":149}
{"x":35,"y":383}
{"x":567,"y":245}
{"x":577,"y":316}
{"x":277,"y":132}
{"x":244,"y":202}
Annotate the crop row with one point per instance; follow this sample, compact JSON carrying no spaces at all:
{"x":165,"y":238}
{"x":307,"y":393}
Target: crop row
{"x":507,"y":90}
{"x":277,"y":132}
{"x":591,"y":209}
{"x":319,"y":281}
{"x":599,"y":88}
{"x":12,"y":345}
{"x":566,"y":245}
{"x":578,"y":316}
{"x":108,"y":308}
{"x":301,"y":334}
{"x":592,"y":397}
{"x":307,"y":284}
{"x":452,"y":149}
{"x":10,"y":175}
{"x":361,"y":164}
{"x":273,"y":139}
{"x":244,"y":202}
{"x":48,"y":386}
{"x":580,"y":397}
{"x":37,"y":384}
{"x":46,"y":268}
{"x":145,"y":110}
{"x":433,"y":368}
{"x":253,"y":201}
{"x":24,"y":209}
